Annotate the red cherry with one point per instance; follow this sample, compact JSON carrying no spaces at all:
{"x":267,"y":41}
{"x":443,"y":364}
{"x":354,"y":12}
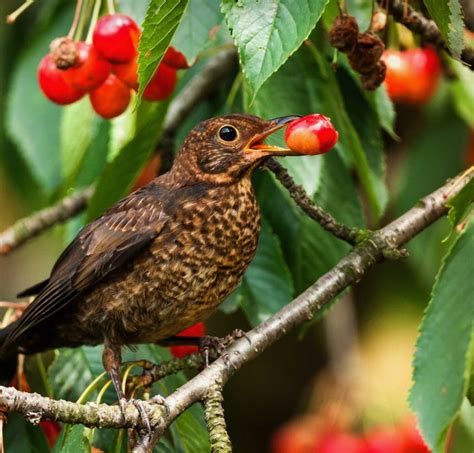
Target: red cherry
{"x":111,"y":98}
{"x":412,"y":440}
{"x":197,"y":330}
{"x":383,"y":440}
{"x":161,"y":85}
{"x":412,"y":75}
{"x":116,"y":37}
{"x":311,"y":134}
{"x":175,"y":59}
{"x":339,"y":442}
{"x":89,"y":70}
{"x":54,"y":85}
{"x":149,"y":173}
{"x":127,"y":73}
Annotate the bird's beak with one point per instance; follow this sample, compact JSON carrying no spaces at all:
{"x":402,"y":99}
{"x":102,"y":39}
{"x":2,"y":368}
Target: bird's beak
{"x":256,"y":145}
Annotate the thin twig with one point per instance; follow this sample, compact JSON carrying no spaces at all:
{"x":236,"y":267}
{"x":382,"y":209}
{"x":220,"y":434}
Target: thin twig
{"x":12,"y":17}
{"x":418,"y":23}
{"x":215,"y":420}
{"x":29,"y":227}
{"x":302,"y":199}
{"x":349,"y":270}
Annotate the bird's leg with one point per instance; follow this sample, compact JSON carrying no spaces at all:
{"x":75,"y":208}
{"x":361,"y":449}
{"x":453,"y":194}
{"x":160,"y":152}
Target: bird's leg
{"x":111,"y":359}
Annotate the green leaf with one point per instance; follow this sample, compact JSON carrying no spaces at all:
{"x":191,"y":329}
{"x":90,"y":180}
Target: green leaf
{"x":22,"y":436}
{"x":462,"y":88}
{"x":461,"y":203}
{"x":78,"y":126}
{"x":161,"y":21}
{"x":193,"y":33}
{"x":461,"y":436}
{"x":32,"y":121}
{"x":267,"y":33}
{"x":383,"y":106}
{"x":72,"y":440}
{"x":118,"y":176}
{"x":448,"y":17}
{"x":267,"y":285}
{"x":442,"y":363}
{"x":73,"y":370}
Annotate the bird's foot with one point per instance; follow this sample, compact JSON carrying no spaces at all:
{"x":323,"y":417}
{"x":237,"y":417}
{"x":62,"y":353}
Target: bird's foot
{"x":219,"y":345}
{"x":139,"y":404}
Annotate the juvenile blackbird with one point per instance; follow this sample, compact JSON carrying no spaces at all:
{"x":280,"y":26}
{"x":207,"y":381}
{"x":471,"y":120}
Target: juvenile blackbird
{"x":160,"y":260}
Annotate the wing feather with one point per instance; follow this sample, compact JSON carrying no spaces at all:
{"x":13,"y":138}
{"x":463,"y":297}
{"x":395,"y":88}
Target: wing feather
{"x":100,"y":248}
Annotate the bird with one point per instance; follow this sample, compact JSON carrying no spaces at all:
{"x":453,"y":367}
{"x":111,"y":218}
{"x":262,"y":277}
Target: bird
{"x":161,"y":259}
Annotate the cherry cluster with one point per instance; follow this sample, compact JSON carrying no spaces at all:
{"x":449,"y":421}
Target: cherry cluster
{"x":105,"y":69}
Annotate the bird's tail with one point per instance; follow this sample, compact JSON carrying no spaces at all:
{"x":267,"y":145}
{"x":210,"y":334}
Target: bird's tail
{"x":8,"y":358}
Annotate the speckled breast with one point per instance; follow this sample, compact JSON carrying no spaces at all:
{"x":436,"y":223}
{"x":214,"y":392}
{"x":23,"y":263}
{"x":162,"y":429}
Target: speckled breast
{"x":194,"y":264}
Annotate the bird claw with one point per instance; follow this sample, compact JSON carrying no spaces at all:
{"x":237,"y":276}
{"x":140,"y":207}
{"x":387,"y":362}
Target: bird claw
{"x":220,"y":345}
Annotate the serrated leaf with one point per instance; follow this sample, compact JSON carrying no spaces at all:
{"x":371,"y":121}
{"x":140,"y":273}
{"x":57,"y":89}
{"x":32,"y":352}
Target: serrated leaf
{"x":442,"y":358}
{"x":194,"y":32}
{"x":448,"y":17}
{"x":78,"y":127}
{"x":462,"y":89}
{"x":32,"y":121}
{"x":267,"y":274}
{"x":267,"y":32}
{"x":461,"y":203}
{"x":161,"y":21}
{"x":118,"y":176}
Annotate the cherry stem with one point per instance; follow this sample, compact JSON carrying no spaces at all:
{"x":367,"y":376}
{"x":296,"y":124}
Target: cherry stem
{"x":12,"y":17}
{"x":95,"y":16}
{"x":75,"y":21}
{"x":339,"y":8}
{"x":111,"y":6}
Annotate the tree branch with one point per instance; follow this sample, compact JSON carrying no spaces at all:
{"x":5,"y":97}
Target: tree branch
{"x":418,"y":23}
{"x":215,"y":421}
{"x":350,"y":269}
{"x":29,"y":227}
{"x":303,"y":200}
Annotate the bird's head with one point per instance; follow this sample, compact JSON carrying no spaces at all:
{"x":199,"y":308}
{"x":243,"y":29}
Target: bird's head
{"x":224,"y":149}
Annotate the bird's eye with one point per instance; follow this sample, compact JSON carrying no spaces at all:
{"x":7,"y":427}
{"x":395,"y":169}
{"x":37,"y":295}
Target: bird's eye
{"x":228,"y":133}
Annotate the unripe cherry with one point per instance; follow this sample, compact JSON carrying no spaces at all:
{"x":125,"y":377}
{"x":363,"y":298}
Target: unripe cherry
{"x":162,"y":84}
{"x":111,"y":98}
{"x":127,"y":73}
{"x":54,"y":85}
{"x":116,"y":37}
{"x":175,"y":59}
{"x":89,"y":70}
{"x":311,"y":134}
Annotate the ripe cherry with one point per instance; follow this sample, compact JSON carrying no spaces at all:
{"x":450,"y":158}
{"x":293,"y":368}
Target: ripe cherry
{"x":54,"y":85}
{"x":311,"y":134}
{"x":175,"y":59}
{"x":89,"y":70}
{"x":412,"y":75}
{"x":197,"y":330}
{"x":150,"y":172}
{"x":116,"y":37}
{"x":111,"y":98}
{"x":127,"y":73}
{"x":339,"y":442}
{"x":161,"y":85}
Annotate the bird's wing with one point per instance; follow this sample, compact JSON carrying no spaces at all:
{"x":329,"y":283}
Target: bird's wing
{"x":100,"y":248}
